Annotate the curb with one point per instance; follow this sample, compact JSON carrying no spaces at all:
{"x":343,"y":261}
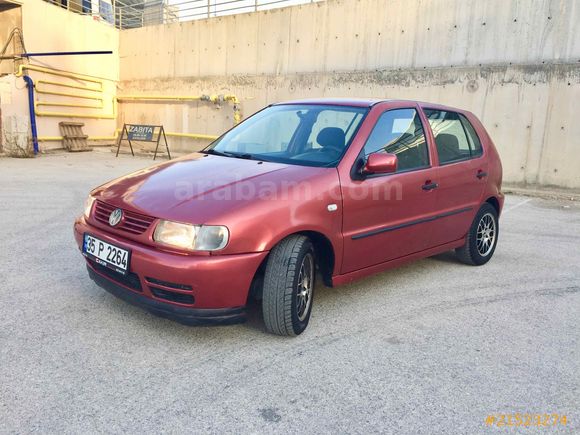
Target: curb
{"x":559,"y":194}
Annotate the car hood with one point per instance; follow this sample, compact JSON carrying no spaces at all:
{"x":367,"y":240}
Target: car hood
{"x":199,"y":188}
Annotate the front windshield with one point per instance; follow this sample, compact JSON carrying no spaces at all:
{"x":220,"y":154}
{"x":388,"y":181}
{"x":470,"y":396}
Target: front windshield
{"x":305,"y":134}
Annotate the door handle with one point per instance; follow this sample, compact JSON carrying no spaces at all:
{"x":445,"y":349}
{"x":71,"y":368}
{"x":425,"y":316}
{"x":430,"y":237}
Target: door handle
{"x":480,"y":174}
{"x":429,"y":186}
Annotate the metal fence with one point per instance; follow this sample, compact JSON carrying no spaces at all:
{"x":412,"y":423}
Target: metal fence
{"x":128,"y":14}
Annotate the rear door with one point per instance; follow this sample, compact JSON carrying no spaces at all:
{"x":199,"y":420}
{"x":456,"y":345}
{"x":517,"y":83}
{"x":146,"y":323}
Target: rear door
{"x":462,"y":173}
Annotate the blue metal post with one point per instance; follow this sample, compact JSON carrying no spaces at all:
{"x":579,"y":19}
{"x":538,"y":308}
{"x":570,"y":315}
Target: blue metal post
{"x":30,"y":86}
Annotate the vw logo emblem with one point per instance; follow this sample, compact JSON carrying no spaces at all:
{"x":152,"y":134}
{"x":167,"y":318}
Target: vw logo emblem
{"x":115,"y":217}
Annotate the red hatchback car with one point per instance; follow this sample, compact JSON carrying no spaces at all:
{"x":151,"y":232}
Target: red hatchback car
{"x":329,"y":187}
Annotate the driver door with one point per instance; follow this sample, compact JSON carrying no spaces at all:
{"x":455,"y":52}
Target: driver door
{"x":387,"y":216}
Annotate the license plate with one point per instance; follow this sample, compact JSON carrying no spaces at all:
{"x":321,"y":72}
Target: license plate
{"x":107,"y":255}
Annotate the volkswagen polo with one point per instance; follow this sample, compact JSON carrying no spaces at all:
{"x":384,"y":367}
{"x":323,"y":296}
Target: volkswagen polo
{"x":331,"y":188}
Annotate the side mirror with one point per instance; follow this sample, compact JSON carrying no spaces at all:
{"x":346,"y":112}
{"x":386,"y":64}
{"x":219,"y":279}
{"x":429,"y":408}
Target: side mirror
{"x":380,"y":163}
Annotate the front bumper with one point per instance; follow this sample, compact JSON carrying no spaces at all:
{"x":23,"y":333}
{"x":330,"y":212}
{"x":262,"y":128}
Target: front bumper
{"x":190,"y":289}
{"x":186,"y":316}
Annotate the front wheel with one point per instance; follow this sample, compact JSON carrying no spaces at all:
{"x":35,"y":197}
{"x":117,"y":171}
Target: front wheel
{"x":482,"y":237}
{"x":289,"y":286}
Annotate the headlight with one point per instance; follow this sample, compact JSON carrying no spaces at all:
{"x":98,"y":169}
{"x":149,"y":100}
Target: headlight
{"x":191,"y":237}
{"x":89,"y":206}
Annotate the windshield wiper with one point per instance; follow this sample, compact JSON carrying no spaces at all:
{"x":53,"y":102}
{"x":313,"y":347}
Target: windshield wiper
{"x":246,"y":156}
{"x":215,"y":153}
{"x":241,"y":155}
{"x":228,"y":154}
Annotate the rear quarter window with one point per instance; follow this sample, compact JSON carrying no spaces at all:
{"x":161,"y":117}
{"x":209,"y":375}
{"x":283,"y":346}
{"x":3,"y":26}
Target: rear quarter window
{"x":474,"y":142}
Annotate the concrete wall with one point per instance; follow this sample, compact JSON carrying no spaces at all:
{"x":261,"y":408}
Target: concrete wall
{"x":9,"y":19}
{"x":515,"y":63}
{"x":49,"y":28}
{"x":15,"y":122}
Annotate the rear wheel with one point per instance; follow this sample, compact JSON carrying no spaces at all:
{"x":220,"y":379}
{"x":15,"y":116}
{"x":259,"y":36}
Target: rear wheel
{"x":289,"y":286}
{"x":482,"y":237}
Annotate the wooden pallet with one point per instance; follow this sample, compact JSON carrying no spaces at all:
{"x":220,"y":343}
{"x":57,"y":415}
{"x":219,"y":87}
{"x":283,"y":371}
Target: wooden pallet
{"x":74,"y":139}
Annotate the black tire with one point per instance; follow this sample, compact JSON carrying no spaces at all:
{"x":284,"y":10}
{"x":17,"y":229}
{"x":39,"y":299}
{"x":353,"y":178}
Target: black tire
{"x":282,"y":308}
{"x":473,"y":253}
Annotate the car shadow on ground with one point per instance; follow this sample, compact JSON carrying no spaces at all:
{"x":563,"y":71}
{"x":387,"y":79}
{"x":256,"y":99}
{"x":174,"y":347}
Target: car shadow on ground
{"x":446,"y":257}
{"x":333,"y":300}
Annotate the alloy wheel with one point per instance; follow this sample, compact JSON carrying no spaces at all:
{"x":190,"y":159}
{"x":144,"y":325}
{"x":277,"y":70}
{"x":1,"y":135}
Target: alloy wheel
{"x":305,"y":287}
{"x":486,"y":232}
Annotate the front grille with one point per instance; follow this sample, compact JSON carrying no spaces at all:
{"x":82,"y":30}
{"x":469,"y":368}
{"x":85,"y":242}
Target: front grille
{"x":133,"y":223}
{"x":130,"y":280}
{"x":167,"y":295}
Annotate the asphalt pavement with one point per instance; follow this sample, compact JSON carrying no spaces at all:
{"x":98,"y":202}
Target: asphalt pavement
{"x":432,"y":347}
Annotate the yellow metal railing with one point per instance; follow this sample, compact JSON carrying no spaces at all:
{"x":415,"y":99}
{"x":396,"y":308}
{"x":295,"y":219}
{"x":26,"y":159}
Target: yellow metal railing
{"x":84,"y":88}
{"x":76,"y":115}
{"x":193,"y":135}
{"x":216,"y":99}
{"x":60,"y":73}
{"x":93,"y":90}
{"x":116,"y":136}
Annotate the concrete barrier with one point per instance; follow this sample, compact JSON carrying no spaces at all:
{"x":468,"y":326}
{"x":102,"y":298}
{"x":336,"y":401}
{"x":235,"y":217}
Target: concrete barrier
{"x":515,"y":64}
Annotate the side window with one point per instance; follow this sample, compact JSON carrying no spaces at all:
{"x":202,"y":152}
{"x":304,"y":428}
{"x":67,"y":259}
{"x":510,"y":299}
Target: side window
{"x":450,"y":137}
{"x":400,"y":132}
{"x":474,"y":142}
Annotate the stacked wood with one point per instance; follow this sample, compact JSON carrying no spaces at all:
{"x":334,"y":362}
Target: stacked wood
{"x":74,"y":139}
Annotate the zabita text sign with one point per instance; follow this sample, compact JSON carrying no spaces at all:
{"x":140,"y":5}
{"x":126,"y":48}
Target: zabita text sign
{"x":143,"y":133}
{"x":140,"y":132}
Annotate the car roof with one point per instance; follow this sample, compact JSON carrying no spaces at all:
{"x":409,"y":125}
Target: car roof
{"x":356,"y":102}
{"x":365,"y":102}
